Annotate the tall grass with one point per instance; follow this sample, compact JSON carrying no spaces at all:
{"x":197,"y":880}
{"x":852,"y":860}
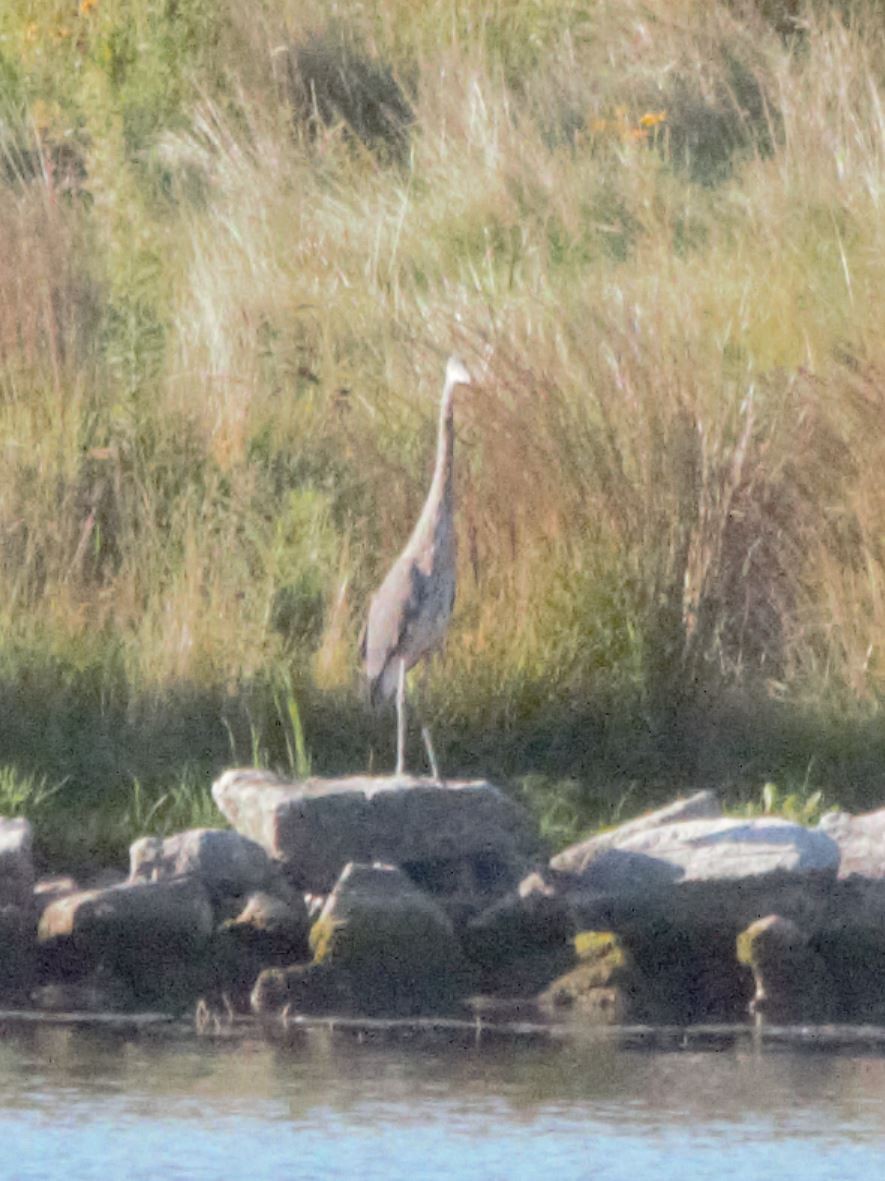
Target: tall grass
{"x":233,"y":263}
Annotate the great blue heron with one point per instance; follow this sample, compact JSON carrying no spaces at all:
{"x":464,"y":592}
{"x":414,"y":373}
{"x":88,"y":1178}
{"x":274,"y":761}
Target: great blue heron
{"x":410,"y":612}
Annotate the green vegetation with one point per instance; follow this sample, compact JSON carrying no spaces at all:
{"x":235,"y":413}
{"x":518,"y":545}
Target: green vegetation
{"x":237,"y":244}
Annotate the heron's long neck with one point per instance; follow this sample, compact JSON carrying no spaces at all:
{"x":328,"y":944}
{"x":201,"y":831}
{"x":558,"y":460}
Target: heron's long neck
{"x":442,"y":486}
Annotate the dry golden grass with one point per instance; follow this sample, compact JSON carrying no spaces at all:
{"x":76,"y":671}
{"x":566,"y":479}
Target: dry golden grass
{"x":230,"y":273}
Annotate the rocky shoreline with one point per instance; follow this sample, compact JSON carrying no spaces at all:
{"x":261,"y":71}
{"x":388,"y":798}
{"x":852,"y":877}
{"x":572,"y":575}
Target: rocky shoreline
{"x":398,"y":899}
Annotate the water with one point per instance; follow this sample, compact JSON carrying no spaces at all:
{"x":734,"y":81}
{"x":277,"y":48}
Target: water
{"x":81,"y":1105}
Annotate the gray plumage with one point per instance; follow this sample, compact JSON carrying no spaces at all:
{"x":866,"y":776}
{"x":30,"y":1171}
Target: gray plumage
{"x":410,"y":612}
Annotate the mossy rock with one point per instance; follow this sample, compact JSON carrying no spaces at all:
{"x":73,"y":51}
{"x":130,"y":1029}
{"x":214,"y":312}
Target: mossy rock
{"x":606,"y":987}
{"x":605,"y":951}
{"x":793,"y":982}
{"x":396,"y":947}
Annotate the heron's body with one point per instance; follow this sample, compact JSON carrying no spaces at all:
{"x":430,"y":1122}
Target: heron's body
{"x":410,"y":612}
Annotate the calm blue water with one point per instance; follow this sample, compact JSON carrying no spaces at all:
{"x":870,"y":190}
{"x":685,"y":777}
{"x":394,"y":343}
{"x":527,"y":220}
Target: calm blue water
{"x":78,"y":1106}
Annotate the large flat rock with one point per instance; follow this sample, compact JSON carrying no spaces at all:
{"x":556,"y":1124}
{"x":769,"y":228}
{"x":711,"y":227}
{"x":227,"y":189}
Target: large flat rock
{"x":714,"y":850}
{"x":316,"y":826}
{"x":714,"y":875}
{"x":703,"y":805}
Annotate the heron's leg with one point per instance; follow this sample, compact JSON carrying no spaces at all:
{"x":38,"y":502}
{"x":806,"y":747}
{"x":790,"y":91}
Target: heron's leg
{"x":431,"y":757}
{"x":401,"y":719}
{"x":425,"y":730}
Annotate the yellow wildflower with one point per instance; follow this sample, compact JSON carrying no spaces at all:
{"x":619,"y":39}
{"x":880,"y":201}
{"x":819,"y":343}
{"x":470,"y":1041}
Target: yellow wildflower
{"x":653,"y":118}
{"x":86,"y":6}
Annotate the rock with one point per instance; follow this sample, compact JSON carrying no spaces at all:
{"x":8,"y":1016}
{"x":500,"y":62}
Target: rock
{"x":152,"y":934}
{"x":276,"y":925}
{"x":49,"y":889}
{"x":523,"y":941}
{"x":314,"y":904}
{"x":464,"y":886}
{"x":17,"y":952}
{"x":99,"y":993}
{"x":224,"y":861}
{"x":102,"y":877}
{"x":861,"y":842}
{"x":848,"y":932}
{"x":703,"y":805}
{"x":536,"y":883}
{"x":679,"y":893}
{"x":269,"y":931}
{"x":314,"y":989}
{"x":16,"y":863}
{"x":723,"y":849}
{"x":606,"y":987}
{"x":394,"y":946}
{"x":316,"y":826}
{"x":504,"y":1010}
{"x":792,"y":981}
{"x":706,"y":875}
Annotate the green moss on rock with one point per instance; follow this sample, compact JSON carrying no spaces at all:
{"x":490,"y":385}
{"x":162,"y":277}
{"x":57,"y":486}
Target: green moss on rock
{"x":396,"y":947}
{"x":792,"y":981}
{"x":606,"y":987}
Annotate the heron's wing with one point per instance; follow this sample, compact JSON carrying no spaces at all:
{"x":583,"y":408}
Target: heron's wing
{"x":393,"y":611}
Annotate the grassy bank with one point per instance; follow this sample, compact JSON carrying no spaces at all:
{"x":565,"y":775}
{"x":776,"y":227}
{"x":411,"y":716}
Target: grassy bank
{"x":235,"y":251}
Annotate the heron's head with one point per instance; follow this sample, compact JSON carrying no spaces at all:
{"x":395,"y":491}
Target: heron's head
{"x":457,"y":373}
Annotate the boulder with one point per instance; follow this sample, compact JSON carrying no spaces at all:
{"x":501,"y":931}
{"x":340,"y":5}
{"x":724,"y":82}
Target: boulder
{"x":316,"y":826}
{"x":47,"y":890}
{"x":605,"y":987}
{"x":393,"y":943}
{"x":703,"y":805}
{"x":721,"y":849}
{"x":719,"y":874}
{"x":276,"y":928}
{"x":224,"y":861}
{"x":152,"y":934}
{"x":848,"y":932}
{"x":269,"y":931}
{"x":17,"y":952}
{"x":98,"y":993}
{"x":16,"y":863}
{"x":393,"y":946}
{"x":792,"y":981}
{"x":679,"y":893}
{"x":302,"y":989}
{"x":523,"y":941}
{"x":861,"y":842}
